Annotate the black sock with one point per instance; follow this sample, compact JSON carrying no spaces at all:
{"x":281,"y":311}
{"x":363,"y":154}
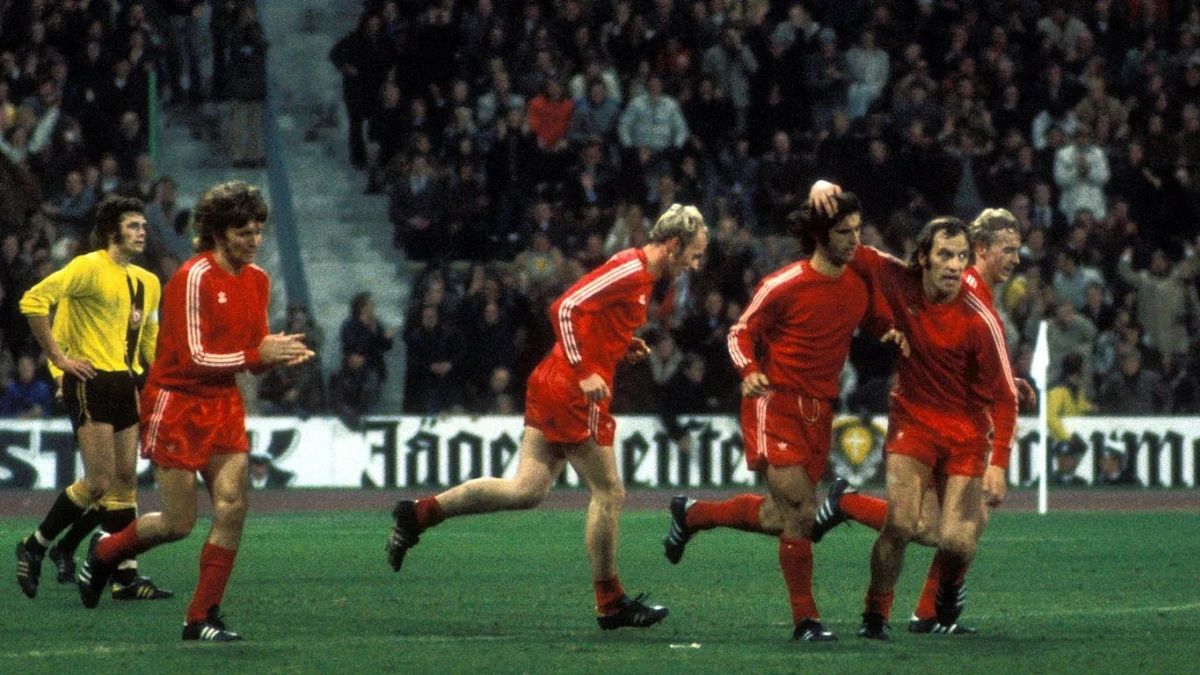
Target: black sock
{"x":113,"y":521}
{"x":61,"y":515}
{"x":80,"y":529}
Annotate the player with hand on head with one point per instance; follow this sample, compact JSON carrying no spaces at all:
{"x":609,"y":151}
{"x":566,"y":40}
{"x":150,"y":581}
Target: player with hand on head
{"x":996,"y":241}
{"x":105,"y":327}
{"x":567,"y":417}
{"x":214,"y":324}
{"x":789,"y":345}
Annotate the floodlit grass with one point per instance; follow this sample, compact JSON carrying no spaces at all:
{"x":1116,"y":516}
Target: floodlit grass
{"x":1069,"y":592}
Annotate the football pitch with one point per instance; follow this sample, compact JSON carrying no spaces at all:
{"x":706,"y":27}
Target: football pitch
{"x":1083,"y":592}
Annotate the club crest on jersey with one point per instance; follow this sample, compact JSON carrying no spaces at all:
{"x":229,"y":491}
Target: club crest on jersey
{"x":642,"y":299}
{"x":221,"y":297}
{"x":857,"y":449}
{"x":135,"y":318}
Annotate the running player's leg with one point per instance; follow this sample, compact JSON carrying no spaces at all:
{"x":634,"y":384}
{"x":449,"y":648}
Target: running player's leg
{"x":597,"y":467}
{"x":539,"y":464}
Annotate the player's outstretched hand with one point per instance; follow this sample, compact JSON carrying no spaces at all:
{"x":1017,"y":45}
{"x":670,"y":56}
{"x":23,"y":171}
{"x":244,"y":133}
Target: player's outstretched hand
{"x":822,"y":193}
{"x":1026,"y":395}
{"x":595,"y":389}
{"x":995,"y":485}
{"x":638,"y":350}
{"x":278,"y":348}
{"x":897,"y":338}
{"x":755,"y":384}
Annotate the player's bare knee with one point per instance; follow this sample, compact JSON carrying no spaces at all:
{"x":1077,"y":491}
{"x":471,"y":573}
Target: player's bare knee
{"x":175,"y":529}
{"x":927,"y":534}
{"x":611,"y":497}
{"x":899,"y":528}
{"x":960,"y":542}
{"x":231,"y":510}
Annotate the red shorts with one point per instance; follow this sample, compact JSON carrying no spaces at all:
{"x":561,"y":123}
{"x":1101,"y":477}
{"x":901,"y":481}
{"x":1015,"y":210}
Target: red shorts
{"x":916,"y":441}
{"x":787,"y":430}
{"x":556,"y":406}
{"x":181,"y":431}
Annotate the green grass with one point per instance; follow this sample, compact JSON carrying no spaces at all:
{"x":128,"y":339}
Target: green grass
{"x":1070,"y":592}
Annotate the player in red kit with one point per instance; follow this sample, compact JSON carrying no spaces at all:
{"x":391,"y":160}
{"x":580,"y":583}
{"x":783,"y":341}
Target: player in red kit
{"x":567,"y":417}
{"x":996,"y":241}
{"x":944,"y":417}
{"x":213,"y":325}
{"x":800,"y":321}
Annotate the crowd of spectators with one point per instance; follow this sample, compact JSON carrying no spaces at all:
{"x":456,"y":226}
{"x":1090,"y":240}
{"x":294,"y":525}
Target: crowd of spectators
{"x":534,"y":139}
{"x":521,"y":143}
{"x":75,"y":92}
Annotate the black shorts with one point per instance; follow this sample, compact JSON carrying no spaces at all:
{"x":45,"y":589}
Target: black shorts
{"x":108,"y":398}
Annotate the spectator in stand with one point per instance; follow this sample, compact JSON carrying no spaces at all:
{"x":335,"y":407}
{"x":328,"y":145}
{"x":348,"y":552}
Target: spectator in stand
{"x":1069,"y":333}
{"x":364,"y":58}
{"x":1134,"y":390}
{"x":364,"y":342}
{"x":27,"y":396}
{"x":128,"y":143}
{"x":74,"y":207}
{"x":498,"y":100}
{"x":416,"y":207}
{"x":1067,"y":399}
{"x":1081,"y":172}
{"x":731,"y":64}
{"x":549,"y":117}
{"x":247,"y":89}
{"x":1164,"y":306}
{"x":1072,"y":278}
{"x":868,"y":68}
{"x":825,"y":79}
{"x":595,"y":116}
{"x":433,"y":384}
{"x":653,"y":127}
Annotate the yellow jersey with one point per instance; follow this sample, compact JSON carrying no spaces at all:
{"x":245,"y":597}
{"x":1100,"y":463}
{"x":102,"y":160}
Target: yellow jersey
{"x":1062,"y":402}
{"x":106,"y":313}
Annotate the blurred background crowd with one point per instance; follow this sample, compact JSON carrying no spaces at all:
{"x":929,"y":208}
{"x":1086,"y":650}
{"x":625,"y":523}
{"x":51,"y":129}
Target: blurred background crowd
{"x":519,"y":144}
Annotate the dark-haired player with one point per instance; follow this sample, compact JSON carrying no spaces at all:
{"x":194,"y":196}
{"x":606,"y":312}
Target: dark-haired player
{"x":214,"y":324}
{"x":790,"y":345}
{"x":105,"y":326}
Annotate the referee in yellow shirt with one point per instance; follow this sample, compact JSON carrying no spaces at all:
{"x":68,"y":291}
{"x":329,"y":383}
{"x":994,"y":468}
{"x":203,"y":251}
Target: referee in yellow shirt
{"x":105,"y":328}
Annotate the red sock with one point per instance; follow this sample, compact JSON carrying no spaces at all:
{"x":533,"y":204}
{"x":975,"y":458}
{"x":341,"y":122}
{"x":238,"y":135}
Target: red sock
{"x":122,"y":545}
{"x":880,"y":603}
{"x":795,"y":559}
{"x":215,"y":565}
{"x":429,"y":513}
{"x":740,"y":513}
{"x":608,"y":595}
{"x":926,"y":605}
{"x":870,"y":511}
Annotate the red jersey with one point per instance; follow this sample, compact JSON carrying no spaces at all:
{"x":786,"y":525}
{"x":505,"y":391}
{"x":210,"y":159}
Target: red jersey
{"x":595,"y":318}
{"x":211,"y":325}
{"x":958,"y":369}
{"x":801,"y":322}
{"x":1003,"y":414}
